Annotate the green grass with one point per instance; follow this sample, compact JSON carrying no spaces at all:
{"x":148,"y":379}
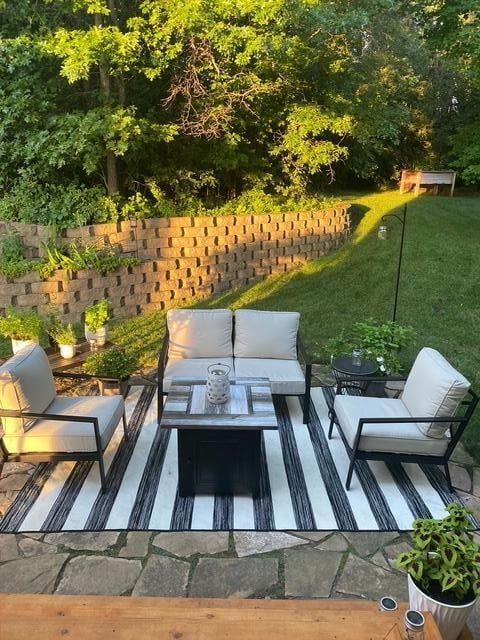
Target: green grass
{"x":439,"y":290}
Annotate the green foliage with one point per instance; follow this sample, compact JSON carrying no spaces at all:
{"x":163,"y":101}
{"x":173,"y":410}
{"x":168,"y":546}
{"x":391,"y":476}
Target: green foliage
{"x":63,"y":333}
{"x":72,"y":258}
{"x":444,"y":558}
{"x":377,"y":340}
{"x":12,"y":262}
{"x":97,"y":315}
{"x":20,"y":325}
{"x":113,"y":363}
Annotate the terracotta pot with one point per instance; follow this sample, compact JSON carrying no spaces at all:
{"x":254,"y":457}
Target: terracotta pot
{"x":101,"y":335}
{"x":450,"y":618}
{"x":67,"y":351}
{"x":112,"y":388}
{"x":20,"y":344}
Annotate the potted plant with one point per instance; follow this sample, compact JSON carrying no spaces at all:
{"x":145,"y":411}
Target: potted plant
{"x":22,"y":327}
{"x":443,"y":569}
{"x":65,"y":337}
{"x":112,"y":363}
{"x":96,"y":318}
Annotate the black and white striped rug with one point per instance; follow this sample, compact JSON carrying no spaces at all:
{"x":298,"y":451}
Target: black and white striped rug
{"x":302,"y":484}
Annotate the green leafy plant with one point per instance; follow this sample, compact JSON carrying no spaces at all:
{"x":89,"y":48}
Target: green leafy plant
{"x":444,"y":561}
{"x":20,"y":325}
{"x":63,"y":334}
{"x":377,"y":340}
{"x":113,"y":363}
{"x":97,"y":315}
{"x":12,"y":262}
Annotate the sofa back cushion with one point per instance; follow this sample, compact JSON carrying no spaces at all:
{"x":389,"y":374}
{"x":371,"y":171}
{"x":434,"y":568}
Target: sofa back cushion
{"x":26,"y":384}
{"x":200,"y":333}
{"x":266,"y":334}
{"x":433,"y":388}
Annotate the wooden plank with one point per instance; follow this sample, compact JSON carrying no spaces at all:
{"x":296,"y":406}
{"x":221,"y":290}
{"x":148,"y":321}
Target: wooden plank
{"x":125,"y":618}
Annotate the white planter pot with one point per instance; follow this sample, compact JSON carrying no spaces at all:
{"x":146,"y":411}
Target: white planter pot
{"x":67,"y":351}
{"x":450,"y":618}
{"x":20,"y":344}
{"x":100,"y":336}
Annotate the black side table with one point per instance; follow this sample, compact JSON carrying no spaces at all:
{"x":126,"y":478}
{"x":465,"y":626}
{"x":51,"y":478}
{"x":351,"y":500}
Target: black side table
{"x":343,"y":369}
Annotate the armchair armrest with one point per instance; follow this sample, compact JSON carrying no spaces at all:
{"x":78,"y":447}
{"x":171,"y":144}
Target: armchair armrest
{"x":162,"y":361}
{"x":55,"y":416}
{"x":302,"y":351}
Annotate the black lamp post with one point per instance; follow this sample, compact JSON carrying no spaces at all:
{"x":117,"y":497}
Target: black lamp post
{"x":382,"y":235}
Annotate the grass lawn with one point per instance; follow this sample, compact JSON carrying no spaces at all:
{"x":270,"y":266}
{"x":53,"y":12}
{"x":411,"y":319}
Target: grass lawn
{"x":439,"y":289}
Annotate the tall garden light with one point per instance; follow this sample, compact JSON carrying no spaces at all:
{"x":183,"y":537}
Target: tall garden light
{"x":382,"y":235}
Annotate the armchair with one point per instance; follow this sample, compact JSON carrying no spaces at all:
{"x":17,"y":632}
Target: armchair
{"x":424,"y":425}
{"x":39,"y":426}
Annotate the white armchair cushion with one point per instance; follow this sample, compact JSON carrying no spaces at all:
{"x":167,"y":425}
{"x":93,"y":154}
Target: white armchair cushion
{"x":191,"y":368}
{"x":286,"y":376}
{"x":433,"y":388}
{"x":55,"y":436}
{"x":200,"y":333}
{"x":394,"y":437}
{"x":26,"y":384}
{"x":266,"y":334}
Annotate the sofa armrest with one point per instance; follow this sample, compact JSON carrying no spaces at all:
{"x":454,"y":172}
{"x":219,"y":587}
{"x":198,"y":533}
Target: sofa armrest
{"x":162,"y":361}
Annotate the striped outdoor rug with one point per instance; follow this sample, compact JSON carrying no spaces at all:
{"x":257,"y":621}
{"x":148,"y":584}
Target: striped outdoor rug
{"x":302,"y":485}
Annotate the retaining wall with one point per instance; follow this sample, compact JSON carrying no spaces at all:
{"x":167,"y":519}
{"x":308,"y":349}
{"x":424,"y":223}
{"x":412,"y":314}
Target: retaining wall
{"x":182,"y":258}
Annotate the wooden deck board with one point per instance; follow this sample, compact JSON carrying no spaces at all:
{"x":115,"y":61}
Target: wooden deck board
{"x":125,"y":618}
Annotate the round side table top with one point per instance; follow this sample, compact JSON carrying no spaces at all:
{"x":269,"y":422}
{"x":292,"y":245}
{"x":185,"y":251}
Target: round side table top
{"x":346,"y":366}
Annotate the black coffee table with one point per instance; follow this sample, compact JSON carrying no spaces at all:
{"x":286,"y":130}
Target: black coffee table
{"x":219,"y":445}
{"x":355,"y":376}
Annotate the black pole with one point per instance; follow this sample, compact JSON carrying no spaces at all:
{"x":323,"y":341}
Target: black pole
{"x":400,"y":255}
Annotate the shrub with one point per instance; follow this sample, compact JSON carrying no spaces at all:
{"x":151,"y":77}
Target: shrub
{"x":377,"y":340}
{"x":112,"y":363}
{"x":97,"y":315}
{"x":21,"y":325}
{"x":12,"y":262}
{"x":444,"y":559}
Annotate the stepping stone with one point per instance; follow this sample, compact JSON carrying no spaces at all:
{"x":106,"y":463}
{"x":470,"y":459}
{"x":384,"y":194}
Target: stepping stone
{"x":137,"y":545}
{"x":476,"y":482}
{"x":233,"y":577}
{"x":84,"y":540}
{"x":32,"y":547}
{"x":248,"y":543}
{"x":99,"y":575}
{"x":394,"y":550}
{"x":335,"y":543}
{"x":460,"y":477}
{"x":163,"y":576}
{"x":461,"y":455}
{"x":366,"y":543}
{"x":366,"y":580}
{"x":471,"y":502}
{"x":8,"y":547}
{"x":187,"y":543}
{"x":31,"y":575}
{"x":314,"y":536}
{"x":379,"y":559}
{"x":310,"y":573}
{"x":14,"y":482}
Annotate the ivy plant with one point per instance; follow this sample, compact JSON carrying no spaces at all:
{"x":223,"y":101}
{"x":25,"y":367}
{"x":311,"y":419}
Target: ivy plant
{"x":444,"y":561}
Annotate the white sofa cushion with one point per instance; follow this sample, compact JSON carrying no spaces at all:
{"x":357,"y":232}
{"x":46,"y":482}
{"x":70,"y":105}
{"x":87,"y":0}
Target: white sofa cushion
{"x":67,"y":437}
{"x":26,"y":384}
{"x":433,"y":388}
{"x":394,"y":437}
{"x":266,"y":334}
{"x":191,"y":368}
{"x":286,"y":376}
{"x":200,"y":333}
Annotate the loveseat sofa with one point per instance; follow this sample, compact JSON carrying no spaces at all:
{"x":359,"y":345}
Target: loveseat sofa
{"x":263,"y":344}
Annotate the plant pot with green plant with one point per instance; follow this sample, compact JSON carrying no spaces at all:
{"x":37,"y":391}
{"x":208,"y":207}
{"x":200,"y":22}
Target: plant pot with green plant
{"x":96,"y":319}
{"x":379,"y":342}
{"x":65,"y":337}
{"x":22,"y":327}
{"x":444,"y":569}
{"x":113,"y":368}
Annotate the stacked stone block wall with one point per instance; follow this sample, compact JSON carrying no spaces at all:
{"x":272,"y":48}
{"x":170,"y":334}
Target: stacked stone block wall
{"x":182,"y":259}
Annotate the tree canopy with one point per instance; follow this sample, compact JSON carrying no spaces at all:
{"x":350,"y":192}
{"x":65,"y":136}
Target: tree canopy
{"x":114,"y":108}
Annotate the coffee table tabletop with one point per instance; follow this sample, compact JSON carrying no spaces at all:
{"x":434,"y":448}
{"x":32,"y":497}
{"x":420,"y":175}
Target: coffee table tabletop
{"x":250,"y":406}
